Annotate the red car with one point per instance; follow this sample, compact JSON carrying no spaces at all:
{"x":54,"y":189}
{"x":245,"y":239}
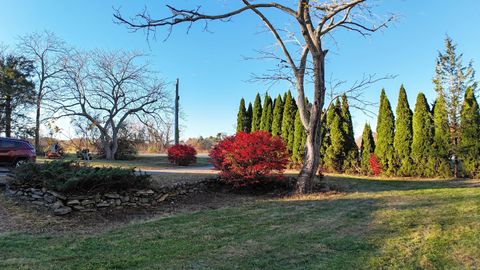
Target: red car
{"x":14,"y":152}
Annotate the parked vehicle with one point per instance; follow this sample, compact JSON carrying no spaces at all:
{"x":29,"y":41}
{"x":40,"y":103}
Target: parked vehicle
{"x":14,"y":152}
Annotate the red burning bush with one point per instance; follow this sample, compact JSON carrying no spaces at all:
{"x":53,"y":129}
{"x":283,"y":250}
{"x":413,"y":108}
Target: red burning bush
{"x":182,"y":155}
{"x":249,"y":157}
{"x":375,"y":165}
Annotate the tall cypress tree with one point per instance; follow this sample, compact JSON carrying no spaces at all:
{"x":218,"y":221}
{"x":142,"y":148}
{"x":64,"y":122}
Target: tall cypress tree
{"x":402,"y":142}
{"x":277,"y":116}
{"x":248,"y":124}
{"x":441,"y":138}
{"x":470,"y":130}
{"x":350,"y":161}
{"x":335,"y":152}
{"x":385,"y":135}
{"x":288,"y":119}
{"x":267,"y":114}
{"x":367,"y":148}
{"x":422,"y":144}
{"x":257,"y":113}
{"x":298,"y":141}
{"x":328,"y":118}
{"x":241,"y":117}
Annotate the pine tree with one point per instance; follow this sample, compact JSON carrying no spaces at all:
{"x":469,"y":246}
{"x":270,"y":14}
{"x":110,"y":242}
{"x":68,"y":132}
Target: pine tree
{"x":422,"y":144}
{"x":441,"y":138}
{"x":367,"y":148}
{"x":402,"y":142}
{"x":470,"y":130}
{"x":248,"y":123}
{"x":288,"y":119}
{"x":334,"y":154}
{"x":277,"y":116}
{"x":451,"y":80}
{"x":267,"y":114}
{"x":385,"y":135}
{"x":298,"y":141}
{"x":350,"y":161}
{"x":241,"y":117}
{"x":257,"y":113}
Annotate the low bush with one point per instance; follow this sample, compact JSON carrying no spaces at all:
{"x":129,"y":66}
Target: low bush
{"x":375,"y":165}
{"x":182,"y":155}
{"x":72,"y":177}
{"x":248,"y":158}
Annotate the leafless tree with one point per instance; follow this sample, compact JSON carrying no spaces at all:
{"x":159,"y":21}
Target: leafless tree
{"x":314,"y":20}
{"x":108,"y":89}
{"x":47,"y":52}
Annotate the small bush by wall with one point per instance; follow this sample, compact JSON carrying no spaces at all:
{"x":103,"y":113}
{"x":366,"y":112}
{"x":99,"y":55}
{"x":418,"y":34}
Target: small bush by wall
{"x":182,"y":155}
{"x":249,"y":157}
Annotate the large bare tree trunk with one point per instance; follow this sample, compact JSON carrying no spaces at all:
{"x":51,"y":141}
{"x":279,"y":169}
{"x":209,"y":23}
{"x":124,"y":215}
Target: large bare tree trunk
{"x":37,"y":123}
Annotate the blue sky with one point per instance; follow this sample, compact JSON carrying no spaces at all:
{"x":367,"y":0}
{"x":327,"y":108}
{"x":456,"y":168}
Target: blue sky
{"x":210,"y":65}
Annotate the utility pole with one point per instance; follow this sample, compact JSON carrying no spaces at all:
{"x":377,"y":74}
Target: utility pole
{"x":177,"y":130}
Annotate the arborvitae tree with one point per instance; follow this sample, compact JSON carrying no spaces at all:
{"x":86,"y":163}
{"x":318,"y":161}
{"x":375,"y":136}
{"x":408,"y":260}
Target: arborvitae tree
{"x":277,"y":116}
{"x":470,"y":139}
{"x":298,"y":141}
{"x":267,"y":114}
{"x":452,"y":78}
{"x":402,"y":142}
{"x":441,"y":138}
{"x":242,"y":117}
{"x":328,"y":118}
{"x":257,"y":113}
{"x":335,"y":152}
{"x":288,"y":120}
{"x":385,"y":135}
{"x":248,"y":124}
{"x":367,"y":148}
{"x":350,"y":161}
{"x":422,"y":152}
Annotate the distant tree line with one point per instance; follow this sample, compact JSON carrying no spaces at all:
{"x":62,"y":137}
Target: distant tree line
{"x":438,"y":140}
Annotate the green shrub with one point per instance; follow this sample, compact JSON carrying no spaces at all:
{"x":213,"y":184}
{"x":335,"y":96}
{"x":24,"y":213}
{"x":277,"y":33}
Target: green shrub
{"x":72,"y":177}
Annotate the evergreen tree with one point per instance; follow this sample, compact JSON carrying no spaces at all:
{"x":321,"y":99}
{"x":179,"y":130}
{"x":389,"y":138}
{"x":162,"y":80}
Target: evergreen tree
{"x":441,"y":138}
{"x":241,"y":117}
{"x":422,"y":144}
{"x":335,"y":152}
{"x":350,"y":161}
{"x":470,"y":130}
{"x":267,"y":114}
{"x":257,"y":113}
{"x":452,"y":78}
{"x":327,"y":120}
{"x":402,"y":142}
{"x":248,"y":124}
{"x":298,"y":140}
{"x":288,"y":121}
{"x":277,"y":116}
{"x":385,"y":135}
{"x":367,"y":148}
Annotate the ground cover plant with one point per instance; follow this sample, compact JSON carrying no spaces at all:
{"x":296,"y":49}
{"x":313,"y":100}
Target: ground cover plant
{"x":182,"y":155}
{"x":73,"y":177}
{"x":366,"y":224}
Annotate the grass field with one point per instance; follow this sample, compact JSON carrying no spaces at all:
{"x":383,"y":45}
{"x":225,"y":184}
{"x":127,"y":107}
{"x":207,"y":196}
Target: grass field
{"x":369,"y":224}
{"x":144,"y":162}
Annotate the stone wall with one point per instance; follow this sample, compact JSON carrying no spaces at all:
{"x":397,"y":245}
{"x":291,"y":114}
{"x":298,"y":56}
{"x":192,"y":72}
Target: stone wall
{"x":63,"y":204}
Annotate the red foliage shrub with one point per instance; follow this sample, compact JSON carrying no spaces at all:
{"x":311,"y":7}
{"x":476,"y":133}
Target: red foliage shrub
{"x":375,"y":165}
{"x":182,"y":155}
{"x":249,"y":157}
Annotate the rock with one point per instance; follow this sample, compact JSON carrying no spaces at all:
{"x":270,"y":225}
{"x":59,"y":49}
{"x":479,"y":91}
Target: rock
{"x":87,"y":202}
{"x":57,"y":204}
{"x":125,"y":198}
{"x":118,"y":202}
{"x":78,"y":207}
{"x":162,"y":198}
{"x":39,"y":203}
{"x":49,"y":198}
{"x":73,"y":202}
{"x":57,"y":195}
{"x":37,"y":196}
{"x":61,"y":211}
{"x":103,"y":204}
{"x":145,"y":192}
{"x":88,"y":210}
{"x":112,"y":196}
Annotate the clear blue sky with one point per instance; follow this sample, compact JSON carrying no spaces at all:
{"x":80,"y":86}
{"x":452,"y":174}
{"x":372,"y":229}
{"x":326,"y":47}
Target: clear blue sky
{"x":210,"y":65}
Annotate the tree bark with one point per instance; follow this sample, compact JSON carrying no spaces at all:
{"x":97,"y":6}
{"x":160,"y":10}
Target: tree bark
{"x":37,"y":124}
{"x":8,"y":116}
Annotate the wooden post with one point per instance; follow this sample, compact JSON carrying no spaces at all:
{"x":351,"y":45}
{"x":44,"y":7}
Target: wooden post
{"x":177,"y":130}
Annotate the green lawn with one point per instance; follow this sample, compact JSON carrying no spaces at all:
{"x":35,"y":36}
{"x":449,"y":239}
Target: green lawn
{"x":145,"y":162}
{"x":372,"y":224}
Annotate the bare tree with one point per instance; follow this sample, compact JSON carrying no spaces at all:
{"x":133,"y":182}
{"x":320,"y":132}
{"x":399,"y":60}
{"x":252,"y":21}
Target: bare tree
{"x":47,"y":52}
{"x":108,"y":89}
{"x":315,"y":20}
